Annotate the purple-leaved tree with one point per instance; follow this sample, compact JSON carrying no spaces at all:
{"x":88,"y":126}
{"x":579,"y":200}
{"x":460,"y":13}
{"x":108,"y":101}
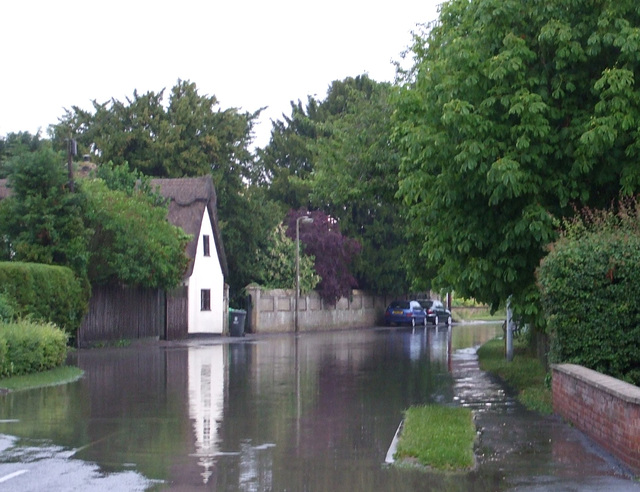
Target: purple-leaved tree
{"x":333,"y":252}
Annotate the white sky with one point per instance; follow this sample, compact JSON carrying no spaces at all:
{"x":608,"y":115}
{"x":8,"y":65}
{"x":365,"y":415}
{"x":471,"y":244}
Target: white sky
{"x":248,"y":53}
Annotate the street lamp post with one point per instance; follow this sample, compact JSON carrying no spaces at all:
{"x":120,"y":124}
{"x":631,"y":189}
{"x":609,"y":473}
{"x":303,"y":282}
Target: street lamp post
{"x":305,"y":220}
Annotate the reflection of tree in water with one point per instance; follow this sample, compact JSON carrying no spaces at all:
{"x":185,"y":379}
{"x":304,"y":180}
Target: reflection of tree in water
{"x":473,"y":335}
{"x":356,"y":381}
{"x":57,"y":413}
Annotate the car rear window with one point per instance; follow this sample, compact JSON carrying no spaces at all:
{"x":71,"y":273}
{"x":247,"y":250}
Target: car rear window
{"x":399,"y":305}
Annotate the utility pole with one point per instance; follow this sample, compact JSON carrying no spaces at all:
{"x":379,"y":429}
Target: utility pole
{"x":509,"y":331}
{"x":72,"y":150}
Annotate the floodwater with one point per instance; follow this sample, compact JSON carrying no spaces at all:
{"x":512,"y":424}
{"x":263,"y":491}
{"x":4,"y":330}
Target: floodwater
{"x":315,"y":412}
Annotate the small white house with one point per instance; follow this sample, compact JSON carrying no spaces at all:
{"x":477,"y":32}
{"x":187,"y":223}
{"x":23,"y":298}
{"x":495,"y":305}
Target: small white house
{"x":192,"y":206}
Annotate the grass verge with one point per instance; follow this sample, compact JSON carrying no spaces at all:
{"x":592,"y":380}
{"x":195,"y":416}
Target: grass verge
{"x":59,"y":375}
{"x":525,"y":373}
{"x":438,"y":437}
{"x":467,"y":314}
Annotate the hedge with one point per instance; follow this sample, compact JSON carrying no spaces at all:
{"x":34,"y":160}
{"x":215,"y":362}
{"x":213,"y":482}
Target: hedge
{"x":590,"y":286}
{"x":27,"y":347}
{"x":44,"y":293}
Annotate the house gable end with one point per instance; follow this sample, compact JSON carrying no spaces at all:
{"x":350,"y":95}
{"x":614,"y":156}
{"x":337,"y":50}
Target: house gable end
{"x":189,"y":198}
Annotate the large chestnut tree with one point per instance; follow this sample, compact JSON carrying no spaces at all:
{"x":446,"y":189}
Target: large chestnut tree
{"x":512,"y":114}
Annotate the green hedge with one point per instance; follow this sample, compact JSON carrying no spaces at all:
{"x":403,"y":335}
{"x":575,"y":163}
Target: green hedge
{"x":27,"y":347}
{"x":44,"y":293}
{"x":590,"y":285}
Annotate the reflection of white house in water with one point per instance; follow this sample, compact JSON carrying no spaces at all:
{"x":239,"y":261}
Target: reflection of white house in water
{"x":417,"y":344}
{"x":434,"y":341}
{"x":440,"y":344}
{"x":206,"y":400}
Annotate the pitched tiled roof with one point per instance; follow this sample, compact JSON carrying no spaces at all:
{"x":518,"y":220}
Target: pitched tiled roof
{"x":188,"y":199}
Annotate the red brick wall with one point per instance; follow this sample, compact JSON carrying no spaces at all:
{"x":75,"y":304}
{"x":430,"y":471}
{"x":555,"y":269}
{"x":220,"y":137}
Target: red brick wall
{"x":604,"y":408}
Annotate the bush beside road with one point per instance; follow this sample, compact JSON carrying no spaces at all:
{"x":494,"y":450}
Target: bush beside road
{"x":27,"y":347}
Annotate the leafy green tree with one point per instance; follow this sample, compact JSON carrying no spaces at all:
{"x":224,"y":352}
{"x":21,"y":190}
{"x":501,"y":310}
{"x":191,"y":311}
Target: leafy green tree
{"x":17,"y":143}
{"x":332,"y":251}
{"x":132,"y":241}
{"x":512,"y":113}
{"x":276,"y":264}
{"x":104,"y":235}
{"x":246,"y":231}
{"x":116,"y":131}
{"x":286,"y":163}
{"x":42,"y":222}
{"x":197,"y":139}
{"x":355,"y":180}
{"x":130,"y":181}
{"x":335,"y":155}
{"x":189,"y":136}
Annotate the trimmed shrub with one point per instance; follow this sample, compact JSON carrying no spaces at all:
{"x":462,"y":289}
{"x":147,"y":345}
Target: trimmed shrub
{"x":45,"y":293}
{"x":7,"y":308}
{"x":27,"y":347}
{"x":590,"y":286}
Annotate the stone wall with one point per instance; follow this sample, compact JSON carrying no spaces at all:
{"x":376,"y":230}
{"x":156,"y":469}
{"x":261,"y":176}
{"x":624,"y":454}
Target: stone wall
{"x":273,"y":310}
{"x":604,"y":408}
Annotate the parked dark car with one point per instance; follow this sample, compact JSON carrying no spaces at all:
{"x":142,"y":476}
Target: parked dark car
{"x":405,"y":312}
{"x":436,"y":312}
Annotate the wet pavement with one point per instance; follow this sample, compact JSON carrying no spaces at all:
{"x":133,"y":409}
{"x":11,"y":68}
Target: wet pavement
{"x":527,"y":451}
{"x":315,"y":412}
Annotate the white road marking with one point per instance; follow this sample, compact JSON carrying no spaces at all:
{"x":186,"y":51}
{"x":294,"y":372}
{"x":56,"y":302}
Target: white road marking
{"x":12,"y":475}
{"x":394,"y":446}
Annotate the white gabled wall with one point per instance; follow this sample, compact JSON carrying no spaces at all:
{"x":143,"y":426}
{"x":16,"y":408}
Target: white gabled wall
{"x":207,"y":274}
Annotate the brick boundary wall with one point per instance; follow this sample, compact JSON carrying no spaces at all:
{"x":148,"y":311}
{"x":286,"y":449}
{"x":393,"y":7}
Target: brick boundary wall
{"x":604,"y":408}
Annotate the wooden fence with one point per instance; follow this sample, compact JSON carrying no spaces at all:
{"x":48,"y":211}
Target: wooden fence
{"x":128,"y":313}
{"x":119,"y":313}
{"x":177,"y":321}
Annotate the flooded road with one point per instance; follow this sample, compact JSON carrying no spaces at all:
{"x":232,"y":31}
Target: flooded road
{"x":316,"y":412}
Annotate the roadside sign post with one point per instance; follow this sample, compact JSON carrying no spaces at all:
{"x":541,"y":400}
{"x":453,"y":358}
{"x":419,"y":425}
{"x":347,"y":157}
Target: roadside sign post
{"x":509,"y":331}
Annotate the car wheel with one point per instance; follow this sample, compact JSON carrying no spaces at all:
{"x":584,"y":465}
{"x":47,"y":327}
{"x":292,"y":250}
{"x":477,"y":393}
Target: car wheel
{"x":449,"y":320}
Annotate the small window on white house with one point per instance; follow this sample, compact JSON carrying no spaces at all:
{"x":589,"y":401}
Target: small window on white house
{"x":205,"y":244}
{"x":205,"y":300}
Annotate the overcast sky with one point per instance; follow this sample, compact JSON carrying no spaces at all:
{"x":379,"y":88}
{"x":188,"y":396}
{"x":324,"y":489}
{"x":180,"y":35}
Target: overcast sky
{"x":248,"y":53}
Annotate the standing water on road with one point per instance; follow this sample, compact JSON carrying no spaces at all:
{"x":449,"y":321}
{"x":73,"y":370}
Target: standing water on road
{"x":315,"y":412}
